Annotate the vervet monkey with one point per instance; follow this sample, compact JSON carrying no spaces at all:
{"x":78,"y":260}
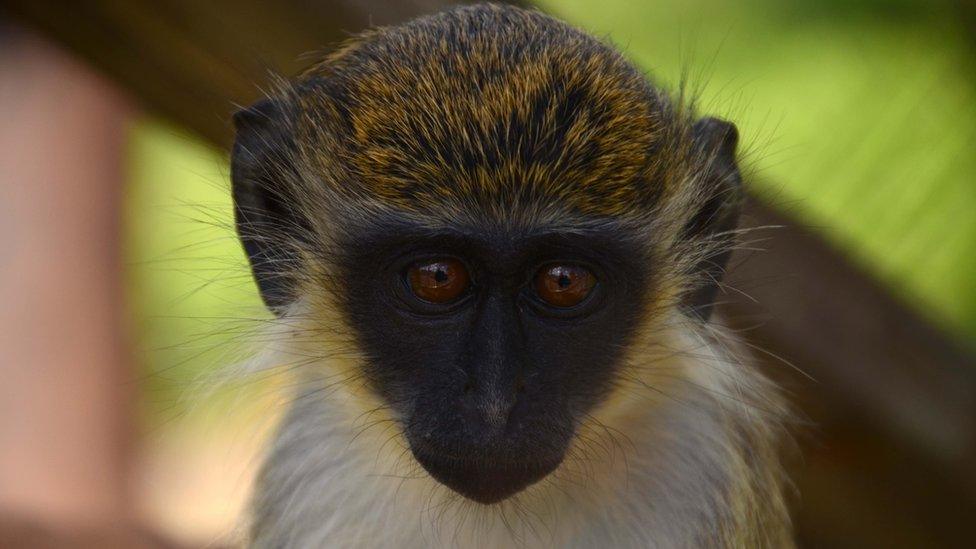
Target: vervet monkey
{"x":493,"y":247}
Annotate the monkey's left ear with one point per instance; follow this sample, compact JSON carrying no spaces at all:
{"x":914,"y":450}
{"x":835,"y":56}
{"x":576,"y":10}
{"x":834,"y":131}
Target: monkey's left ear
{"x":715,"y":143}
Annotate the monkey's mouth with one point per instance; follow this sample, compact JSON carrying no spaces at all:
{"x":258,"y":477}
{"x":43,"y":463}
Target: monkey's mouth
{"x":483,"y":479}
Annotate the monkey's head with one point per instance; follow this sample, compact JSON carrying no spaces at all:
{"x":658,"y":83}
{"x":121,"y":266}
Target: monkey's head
{"x":493,"y":207}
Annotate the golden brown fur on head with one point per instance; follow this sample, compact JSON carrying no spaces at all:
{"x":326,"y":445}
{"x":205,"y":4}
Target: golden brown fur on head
{"x":490,"y":101}
{"x":500,"y":118}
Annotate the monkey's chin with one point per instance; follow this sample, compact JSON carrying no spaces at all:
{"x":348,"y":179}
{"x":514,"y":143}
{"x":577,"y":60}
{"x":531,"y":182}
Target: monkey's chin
{"x":484,"y":481}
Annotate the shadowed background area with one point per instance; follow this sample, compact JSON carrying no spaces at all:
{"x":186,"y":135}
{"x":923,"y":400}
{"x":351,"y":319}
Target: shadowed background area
{"x":858,"y":123}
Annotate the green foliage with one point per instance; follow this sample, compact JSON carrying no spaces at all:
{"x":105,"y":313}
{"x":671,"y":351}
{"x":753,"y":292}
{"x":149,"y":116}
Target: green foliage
{"x":193,"y":296}
{"x":857,"y":117}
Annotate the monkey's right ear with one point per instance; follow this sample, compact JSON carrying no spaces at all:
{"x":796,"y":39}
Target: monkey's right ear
{"x":262,"y":172}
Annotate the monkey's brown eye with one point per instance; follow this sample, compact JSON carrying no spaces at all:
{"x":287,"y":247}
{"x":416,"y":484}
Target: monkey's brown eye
{"x":564,"y":285}
{"x":438,"y":281}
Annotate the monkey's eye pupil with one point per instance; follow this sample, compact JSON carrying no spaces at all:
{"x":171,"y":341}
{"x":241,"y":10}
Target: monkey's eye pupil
{"x":564,"y":285}
{"x":439,"y":280}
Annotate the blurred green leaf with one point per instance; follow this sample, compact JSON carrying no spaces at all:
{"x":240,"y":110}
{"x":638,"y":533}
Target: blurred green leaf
{"x":857,"y":117}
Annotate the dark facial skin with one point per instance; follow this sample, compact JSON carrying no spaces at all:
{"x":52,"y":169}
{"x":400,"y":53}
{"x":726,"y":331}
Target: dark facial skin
{"x":491,"y":384}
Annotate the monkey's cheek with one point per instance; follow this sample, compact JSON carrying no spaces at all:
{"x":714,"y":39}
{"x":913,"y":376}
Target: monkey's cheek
{"x":483,"y":480}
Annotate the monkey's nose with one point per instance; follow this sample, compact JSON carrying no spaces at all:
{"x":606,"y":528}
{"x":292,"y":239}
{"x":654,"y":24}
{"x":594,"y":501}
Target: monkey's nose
{"x":488,"y":409}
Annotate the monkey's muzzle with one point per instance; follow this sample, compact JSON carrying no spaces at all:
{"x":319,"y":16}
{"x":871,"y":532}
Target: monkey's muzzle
{"x":484,"y":455}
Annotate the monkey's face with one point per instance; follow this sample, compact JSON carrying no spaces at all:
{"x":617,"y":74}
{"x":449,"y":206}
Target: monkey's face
{"x":501,"y":203}
{"x":492,"y":345}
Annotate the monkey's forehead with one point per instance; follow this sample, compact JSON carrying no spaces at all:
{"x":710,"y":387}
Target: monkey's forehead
{"x":487,"y":101}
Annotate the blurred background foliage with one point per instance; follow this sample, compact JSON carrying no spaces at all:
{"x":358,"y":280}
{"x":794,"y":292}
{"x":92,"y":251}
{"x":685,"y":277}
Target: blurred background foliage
{"x":858,"y":117}
{"x":190,"y":287}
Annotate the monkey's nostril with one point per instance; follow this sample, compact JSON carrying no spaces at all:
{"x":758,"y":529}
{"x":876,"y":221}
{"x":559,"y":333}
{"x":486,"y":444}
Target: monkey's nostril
{"x":468,"y":386}
{"x":520,"y":386}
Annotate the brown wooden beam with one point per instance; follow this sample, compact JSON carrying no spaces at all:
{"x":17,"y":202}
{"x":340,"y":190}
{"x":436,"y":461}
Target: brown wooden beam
{"x":888,"y":402}
{"x":196,"y":62}
{"x":815,"y":309}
